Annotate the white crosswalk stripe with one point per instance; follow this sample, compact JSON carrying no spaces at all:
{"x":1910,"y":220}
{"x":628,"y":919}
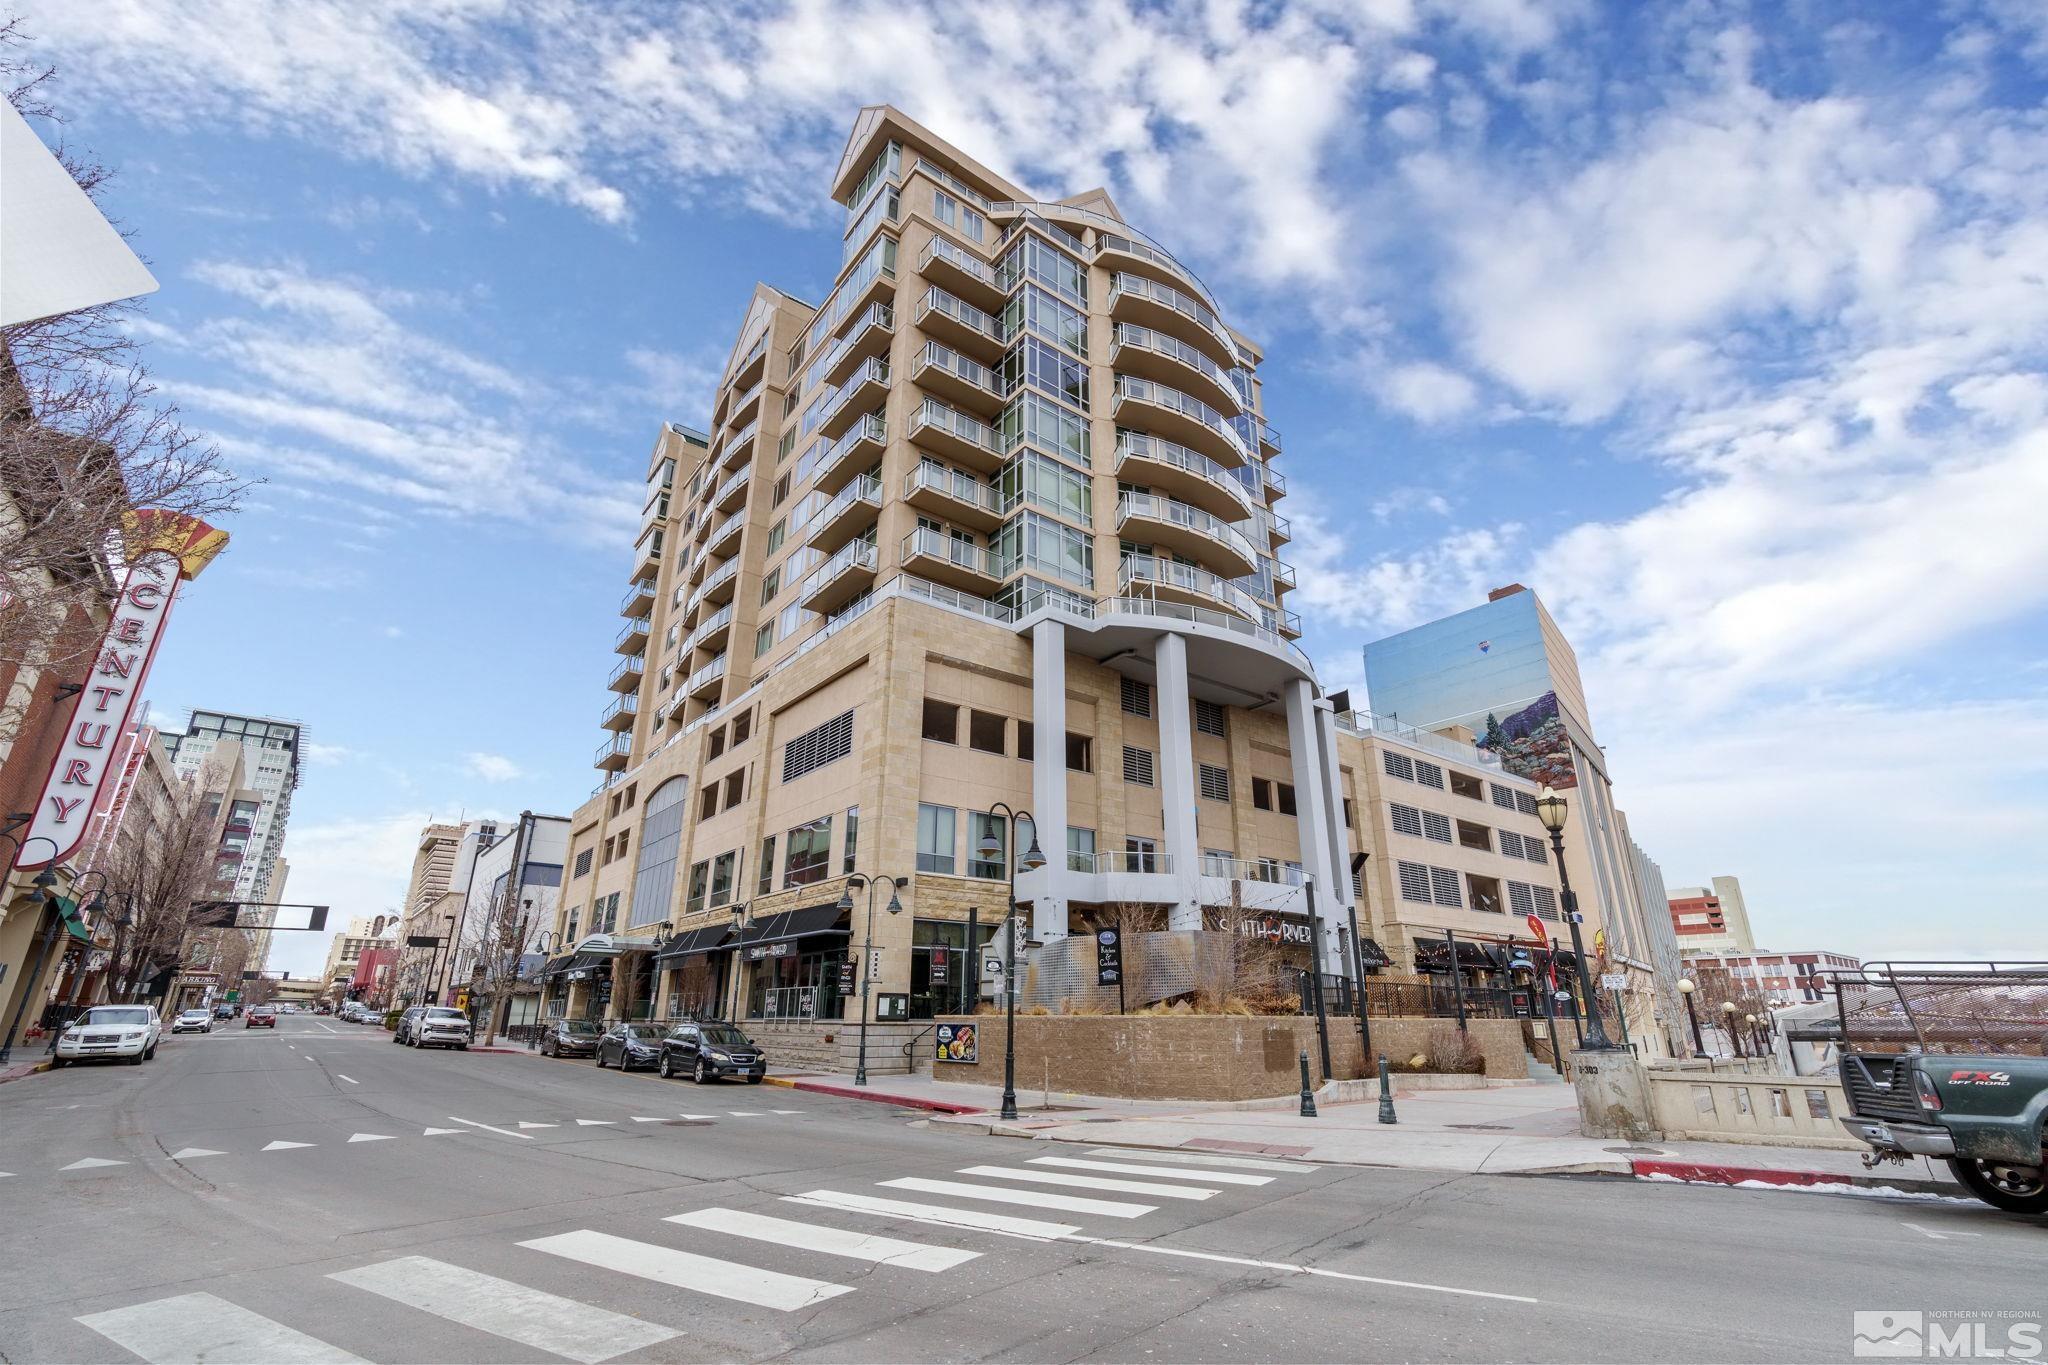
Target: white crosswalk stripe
{"x":202,"y":1327}
{"x":1151,"y":1172}
{"x":531,"y":1317}
{"x":687,"y":1270}
{"x":1066,"y":1203}
{"x":1092,"y":1182}
{"x":832,"y":1241}
{"x":1234,"y":1163}
{"x":937,"y":1214}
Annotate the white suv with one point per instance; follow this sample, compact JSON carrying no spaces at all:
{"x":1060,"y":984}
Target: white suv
{"x":127,"y":1032}
{"x":440,"y":1026}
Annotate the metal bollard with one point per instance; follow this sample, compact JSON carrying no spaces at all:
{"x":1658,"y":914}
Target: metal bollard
{"x":1386,"y":1092}
{"x":1308,"y":1099}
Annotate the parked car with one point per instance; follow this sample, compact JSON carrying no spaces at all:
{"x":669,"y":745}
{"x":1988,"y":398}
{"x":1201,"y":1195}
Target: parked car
{"x":403,"y":1033}
{"x":223,"y":1011}
{"x":128,"y":1033}
{"x":199,"y":1021}
{"x":709,"y":1049}
{"x":438,"y":1026}
{"x":569,"y":1038}
{"x":262,"y":1016}
{"x":630,"y":1045}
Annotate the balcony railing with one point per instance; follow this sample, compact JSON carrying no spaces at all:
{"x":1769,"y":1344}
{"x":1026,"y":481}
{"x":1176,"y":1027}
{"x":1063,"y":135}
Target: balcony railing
{"x":965,"y":369}
{"x":1156,"y":508}
{"x":627,"y":668}
{"x":1122,"y":860}
{"x":938,"y":301}
{"x":1146,"y":339}
{"x":1117,"y":241}
{"x":622,"y":708}
{"x":866,"y":489}
{"x":1139,"y":571}
{"x":1152,"y":291}
{"x":857,"y":555}
{"x":615,"y":751}
{"x":705,"y":676}
{"x":940,"y":249}
{"x":872,"y":371}
{"x":1250,"y":870}
{"x":709,"y":626}
{"x":639,"y":598}
{"x":1139,"y":445}
{"x":1188,"y":406}
{"x":966,"y":554}
{"x":949,"y":419}
{"x":953,"y":484}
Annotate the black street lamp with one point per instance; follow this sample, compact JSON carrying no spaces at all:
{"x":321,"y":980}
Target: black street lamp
{"x":867,"y":974}
{"x":1686,"y":987}
{"x":1728,"y":1025}
{"x":1551,"y":810}
{"x":739,"y":924}
{"x":991,"y":847}
{"x":39,"y":897}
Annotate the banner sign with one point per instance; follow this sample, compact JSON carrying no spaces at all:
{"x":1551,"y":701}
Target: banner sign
{"x":937,"y":965}
{"x":761,"y":950}
{"x":846,"y":976}
{"x":956,"y":1043}
{"x":1293,"y":932}
{"x":1109,"y":957}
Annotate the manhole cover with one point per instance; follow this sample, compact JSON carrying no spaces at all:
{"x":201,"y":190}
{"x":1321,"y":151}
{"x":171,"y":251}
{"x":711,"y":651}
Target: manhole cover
{"x":1635,"y":1151}
{"x":1480,"y":1127}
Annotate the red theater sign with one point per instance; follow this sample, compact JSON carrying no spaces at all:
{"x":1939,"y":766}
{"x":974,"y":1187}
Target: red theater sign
{"x":164,"y":550}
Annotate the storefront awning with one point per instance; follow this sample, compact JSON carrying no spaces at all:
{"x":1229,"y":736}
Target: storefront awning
{"x":1434,"y":955}
{"x":1372,"y":955}
{"x":704,"y":939}
{"x":577,"y":962}
{"x":794,"y":924}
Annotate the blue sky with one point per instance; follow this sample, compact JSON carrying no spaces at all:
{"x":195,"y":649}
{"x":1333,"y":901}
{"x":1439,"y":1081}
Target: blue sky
{"x":1721,"y":325}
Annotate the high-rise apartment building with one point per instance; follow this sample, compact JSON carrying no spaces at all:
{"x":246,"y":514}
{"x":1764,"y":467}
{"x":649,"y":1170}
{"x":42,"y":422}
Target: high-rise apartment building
{"x":254,"y":842}
{"x":1712,"y":918}
{"x":433,"y":905}
{"x":1506,"y":676}
{"x":994,"y":522}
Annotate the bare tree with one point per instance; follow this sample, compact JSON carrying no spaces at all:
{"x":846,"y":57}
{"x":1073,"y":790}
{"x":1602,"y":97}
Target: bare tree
{"x":84,"y":438}
{"x":1250,"y":971}
{"x":491,"y":946}
{"x":164,"y":858}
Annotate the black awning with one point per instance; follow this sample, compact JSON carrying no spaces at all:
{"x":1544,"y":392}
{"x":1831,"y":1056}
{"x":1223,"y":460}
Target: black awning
{"x":576,"y":962}
{"x":1372,"y":955}
{"x":691,"y":942}
{"x":791,"y":924}
{"x":1434,"y":955}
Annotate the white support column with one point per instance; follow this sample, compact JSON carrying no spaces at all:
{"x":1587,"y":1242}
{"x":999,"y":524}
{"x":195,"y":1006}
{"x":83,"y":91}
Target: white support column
{"x":1311,"y":814}
{"x":1339,"y":899}
{"x":1049,"y":773}
{"x":1177,"y":779}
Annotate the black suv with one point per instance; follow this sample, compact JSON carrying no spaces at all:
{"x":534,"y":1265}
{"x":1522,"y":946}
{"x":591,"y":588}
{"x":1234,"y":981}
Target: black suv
{"x":710,"y":1049}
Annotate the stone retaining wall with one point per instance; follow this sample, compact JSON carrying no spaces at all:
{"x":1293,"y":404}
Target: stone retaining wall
{"x":1202,"y":1057}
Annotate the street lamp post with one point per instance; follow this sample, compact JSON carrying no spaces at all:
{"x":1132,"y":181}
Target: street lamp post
{"x":739,"y":921}
{"x":990,"y":847}
{"x":1686,"y":987}
{"x":1551,"y":810}
{"x":39,"y":897}
{"x":1728,"y":1025}
{"x":867,"y":973}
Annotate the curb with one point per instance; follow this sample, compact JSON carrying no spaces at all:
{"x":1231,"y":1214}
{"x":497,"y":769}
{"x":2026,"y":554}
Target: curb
{"x":1703,"y":1173}
{"x":846,"y":1092}
{"x":34,"y":1069}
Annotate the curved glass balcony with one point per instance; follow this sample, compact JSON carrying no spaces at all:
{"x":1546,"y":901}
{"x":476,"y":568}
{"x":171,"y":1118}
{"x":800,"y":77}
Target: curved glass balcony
{"x":951,"y":432}
{"x":944,"y":261}
{"x":1188,"y":530}
{"x":1140,"y":574}
{"x":1134,"y":298}
{"x":962,"y":379}
{"x":1153,"y":354}
{"x":1186,"y":474}
{"x":1178,"y":416}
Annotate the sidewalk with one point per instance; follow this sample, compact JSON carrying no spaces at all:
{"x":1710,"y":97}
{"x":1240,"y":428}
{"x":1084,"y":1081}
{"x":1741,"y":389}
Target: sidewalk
{"x":16,"y":1070}
{"x":1510,"y":1130}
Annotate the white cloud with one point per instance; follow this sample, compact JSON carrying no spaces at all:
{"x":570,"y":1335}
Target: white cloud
{"x":326,"y":755}
{"x":492,"y":767}
{"x":354,"y":866}
{"x":1428,"y":392}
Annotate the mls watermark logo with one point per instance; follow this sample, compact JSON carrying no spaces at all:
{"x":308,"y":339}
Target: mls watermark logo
{"x":1950,"y":1334}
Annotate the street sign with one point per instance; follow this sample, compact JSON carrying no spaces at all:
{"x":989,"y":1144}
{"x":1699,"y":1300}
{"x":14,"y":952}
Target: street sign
{"x":1109,"y":957}
{"x":992,"y":965}
{"x":1613,"y":981}
{"x":846,"y":976}
{"x":1536,"y":929}
{"x":936,"y":966}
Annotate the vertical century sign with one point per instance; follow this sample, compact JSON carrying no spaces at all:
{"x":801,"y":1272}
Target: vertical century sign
{"x":164,"y":550}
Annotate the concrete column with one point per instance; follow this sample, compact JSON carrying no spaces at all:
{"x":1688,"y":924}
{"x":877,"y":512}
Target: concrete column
{"x":1049,"y":773}
{"x":1177,"y":779}
{"x":1311,"y":815}
{"x":1333,"y":805}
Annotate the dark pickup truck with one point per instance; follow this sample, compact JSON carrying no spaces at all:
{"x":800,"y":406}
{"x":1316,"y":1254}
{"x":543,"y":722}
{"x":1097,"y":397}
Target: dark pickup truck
{"x":1948,"y":1061}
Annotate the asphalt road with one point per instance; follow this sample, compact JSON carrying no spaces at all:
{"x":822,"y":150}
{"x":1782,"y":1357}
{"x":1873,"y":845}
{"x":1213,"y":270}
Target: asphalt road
{"x":316,"y":1194}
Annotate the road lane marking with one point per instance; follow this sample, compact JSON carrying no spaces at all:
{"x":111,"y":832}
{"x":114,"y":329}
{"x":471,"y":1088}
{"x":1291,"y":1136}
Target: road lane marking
{"x":532,"y":1317}
{"x":595,"y":1123}
{"x":638,"y":1119}
{"x":701,"y":1118}
{"x":1066,"y":1203}
{"x":1938,"y":1236}
{"x":442,"y":1132}
{"x":1151,"y":1172}
{"x":188,"y":1153}
{"x":1298,"y":1269}
{"x":1091,"y":1182}
{"x":90,"y":1163}
{"x":350,"y":1079}
{"x":687,"y":1270}
{"x":744,"y":1113}
{"x":1235,"y":1163}
{"x":786,"y":1111}
{"x":371,"y":1137}
{"x":859,"y":1246}
{"x":318,"y":1024}
{"x":523,"y":1124}
{"x":281,"y":1145}
{"x":523,"y":1137}
{"x":937,"y":1214}
{"x":195,"y":1327}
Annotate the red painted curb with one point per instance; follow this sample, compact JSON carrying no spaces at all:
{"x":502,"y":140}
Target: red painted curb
{"x":1734,"y":1175}
{"x":880,"y":1097}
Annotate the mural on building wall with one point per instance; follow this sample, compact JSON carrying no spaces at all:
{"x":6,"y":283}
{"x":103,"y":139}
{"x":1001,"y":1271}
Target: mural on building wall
{"x":1533,"y":743}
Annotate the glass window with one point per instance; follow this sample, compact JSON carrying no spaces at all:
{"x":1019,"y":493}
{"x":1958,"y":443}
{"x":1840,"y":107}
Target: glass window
{"x":986,"y":731}
{"x":1080,"y":849}
{"x":700,"y":879}
{"x":852,"y":839}
{"x":935,"y":838}
{"x":1060,"y":323}
{"x":1032,"y":362}
{"x":1047,"y":483}
{"x":1038,"y":421}
{"x":724,"y":874}
{"x":809,"y":852}
{"x":1080,"y":753}
{"x":941,"y":721}
{"x":1141,"y":854}
{"x":661,"y":840}
{"x":766,"y":883}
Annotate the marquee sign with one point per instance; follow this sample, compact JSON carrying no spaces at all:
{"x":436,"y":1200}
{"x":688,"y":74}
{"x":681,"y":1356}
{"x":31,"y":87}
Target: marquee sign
{"x":165,"y":549}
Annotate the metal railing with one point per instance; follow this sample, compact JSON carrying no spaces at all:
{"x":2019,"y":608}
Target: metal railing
{"x":937,"y":300}
{"x":1149,"y":570}
{"x":950,"y":419}
{"x":1187,"y":405}
{"x":868,"y":428}
{"x":933,"y":355}
{"x":1139,"y":445}
{"x":859,"y":554}
{"x":1137,"y":286}
{"x":1147,"y":339}
{"x":925,"y":541}
{"x":940,"y":248}
{"x":1156,"y":508}
{"x":954,"y":484}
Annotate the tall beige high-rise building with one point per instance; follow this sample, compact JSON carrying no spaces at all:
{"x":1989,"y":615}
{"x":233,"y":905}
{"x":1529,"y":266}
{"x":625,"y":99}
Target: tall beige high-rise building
{"x":992,"y":526}
{"x":423,"y":915}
